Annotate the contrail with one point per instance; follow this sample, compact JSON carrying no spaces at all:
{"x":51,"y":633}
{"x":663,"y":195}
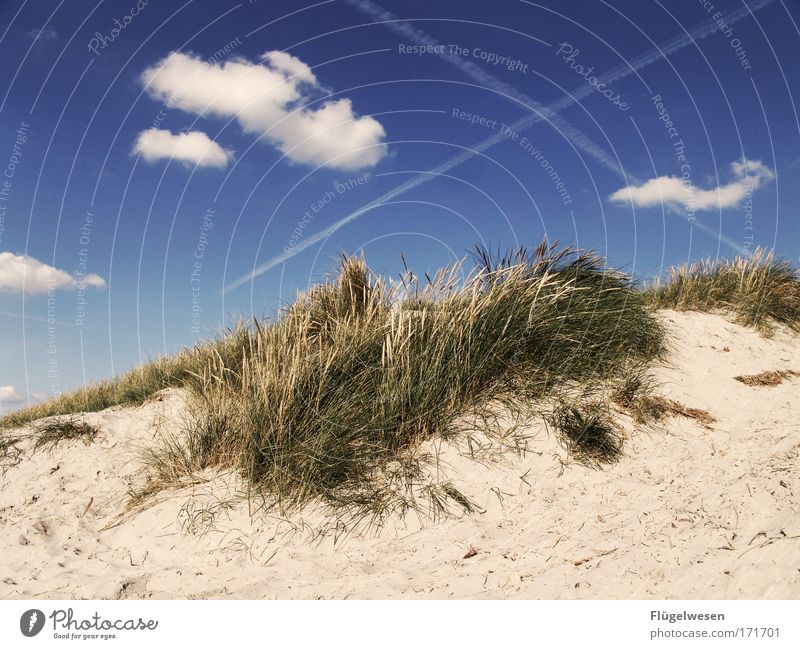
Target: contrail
{"x":540,"y":113}
{"x":483,"y":78}
{"x":623,"y":70}
{"x":574,"y":135}
{"x":33,"y":318}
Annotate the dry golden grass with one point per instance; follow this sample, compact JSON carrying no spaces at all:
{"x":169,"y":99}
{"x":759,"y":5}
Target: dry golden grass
{"x":634,"y":393}
{"x":655,"y":408}
{"x":767,"y":379}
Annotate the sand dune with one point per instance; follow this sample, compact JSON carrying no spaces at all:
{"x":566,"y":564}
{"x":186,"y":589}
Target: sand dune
{"x":689,"y":512}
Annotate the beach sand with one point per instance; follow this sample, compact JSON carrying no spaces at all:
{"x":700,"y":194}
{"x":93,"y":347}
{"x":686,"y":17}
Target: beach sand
{"x":688,"y":512}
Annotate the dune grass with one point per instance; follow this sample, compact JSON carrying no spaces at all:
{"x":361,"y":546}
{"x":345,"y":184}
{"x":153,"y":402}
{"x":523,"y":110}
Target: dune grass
{"x":55,"y":431}
{"x":137,"y":385}
{"x":46,"y":435}
{"x":333,"y":399}
{"x":330,"y":401}
{"x":758,"y":291}
{"x":10,"y":453}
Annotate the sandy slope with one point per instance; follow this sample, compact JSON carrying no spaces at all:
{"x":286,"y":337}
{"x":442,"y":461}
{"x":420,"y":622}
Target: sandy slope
{"x":688,"y":513}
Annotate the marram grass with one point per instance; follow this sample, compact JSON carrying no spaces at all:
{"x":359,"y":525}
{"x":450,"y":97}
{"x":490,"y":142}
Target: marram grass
{"x":759,"y":291}
{"x":330,"y":401}
{"x":139,"y":384}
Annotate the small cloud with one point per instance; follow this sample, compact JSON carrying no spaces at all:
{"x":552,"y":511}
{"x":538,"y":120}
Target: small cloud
{"x":194,"y":147}
{"x":43,"y":34}
{"x":8,"y":394}
{"x":21,"y":273}
{"x":270,"y":98}
{"x":676,"y":192}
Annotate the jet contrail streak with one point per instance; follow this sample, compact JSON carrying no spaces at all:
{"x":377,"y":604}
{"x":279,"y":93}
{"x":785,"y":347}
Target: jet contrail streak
{"x":540,"y":113}
{"x":574,"y":135}
{"x":483,"y":78}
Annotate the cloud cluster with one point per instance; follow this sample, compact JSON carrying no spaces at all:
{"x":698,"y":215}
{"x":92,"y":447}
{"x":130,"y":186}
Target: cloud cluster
{"x":676,"y":192}
{"x":269,"y":98}
{"x":8,"y":394}
{"x":194,"y":147}
{"x":21,"y":273}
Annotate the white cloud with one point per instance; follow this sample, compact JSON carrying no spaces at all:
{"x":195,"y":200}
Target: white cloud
{"x":20,"y":273}
{"x":268,"y":99}
{"x":8,"y":394}
{"x":194,"y":147}
{"x":676,"y":192}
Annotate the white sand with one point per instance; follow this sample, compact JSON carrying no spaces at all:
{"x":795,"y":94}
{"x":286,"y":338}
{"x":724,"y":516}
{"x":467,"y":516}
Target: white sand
{"x":687,"y":513}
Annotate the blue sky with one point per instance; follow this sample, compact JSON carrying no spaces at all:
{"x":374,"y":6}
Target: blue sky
{"x":169,"y":167}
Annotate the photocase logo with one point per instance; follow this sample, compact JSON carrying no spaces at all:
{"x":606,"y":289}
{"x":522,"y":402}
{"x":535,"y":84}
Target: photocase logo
{"x":31,"y":622}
